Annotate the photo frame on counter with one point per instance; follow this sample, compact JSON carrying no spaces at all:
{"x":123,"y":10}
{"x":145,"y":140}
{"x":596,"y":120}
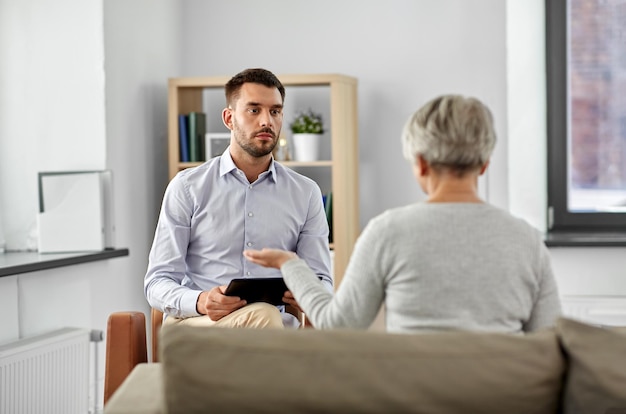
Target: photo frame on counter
{"x":216,"y":143}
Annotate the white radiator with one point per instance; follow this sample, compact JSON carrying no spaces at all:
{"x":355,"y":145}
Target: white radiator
{"x":598,"y":310}
{"x":47,"y":374}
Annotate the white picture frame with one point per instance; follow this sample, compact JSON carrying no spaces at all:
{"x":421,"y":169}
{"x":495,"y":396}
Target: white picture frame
{"x":75,"y":211}
{"x":216,"y":143}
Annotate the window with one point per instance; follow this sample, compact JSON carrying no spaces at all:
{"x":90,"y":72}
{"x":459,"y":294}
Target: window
{"x":586,"y":78}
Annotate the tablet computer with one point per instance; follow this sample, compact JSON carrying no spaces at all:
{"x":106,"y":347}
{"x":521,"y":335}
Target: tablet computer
{"x":269,"y":289}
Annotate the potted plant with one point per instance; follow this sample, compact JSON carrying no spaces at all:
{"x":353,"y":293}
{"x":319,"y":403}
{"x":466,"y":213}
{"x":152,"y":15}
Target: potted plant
{"x":306,"y":129}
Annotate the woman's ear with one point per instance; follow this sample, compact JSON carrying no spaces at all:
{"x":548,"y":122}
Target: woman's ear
{"x":484,"y":168}
{"x":227,"y":118}
{"x":421,"y":165}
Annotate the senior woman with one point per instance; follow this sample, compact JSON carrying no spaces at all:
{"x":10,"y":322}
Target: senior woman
{"x":452,"y":262}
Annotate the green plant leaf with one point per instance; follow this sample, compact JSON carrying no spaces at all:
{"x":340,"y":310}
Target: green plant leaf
{"x":307,"y":122}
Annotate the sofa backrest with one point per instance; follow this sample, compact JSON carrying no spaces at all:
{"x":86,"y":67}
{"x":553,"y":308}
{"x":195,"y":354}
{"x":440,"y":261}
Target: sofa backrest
{"x":596,"y":373}
{"x":315,"y":371}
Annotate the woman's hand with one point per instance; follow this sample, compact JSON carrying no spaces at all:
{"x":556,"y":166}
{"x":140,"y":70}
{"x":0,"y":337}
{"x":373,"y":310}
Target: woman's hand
{"x":269,"y":257}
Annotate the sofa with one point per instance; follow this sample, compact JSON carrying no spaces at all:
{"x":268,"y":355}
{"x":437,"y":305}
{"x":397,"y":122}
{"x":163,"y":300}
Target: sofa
{"x":573,"y":368}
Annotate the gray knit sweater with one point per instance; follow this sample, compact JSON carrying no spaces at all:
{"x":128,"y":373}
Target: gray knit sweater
{"x":438,"y":266}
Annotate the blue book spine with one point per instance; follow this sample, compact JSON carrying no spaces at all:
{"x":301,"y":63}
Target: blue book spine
{"x":184,"y":137}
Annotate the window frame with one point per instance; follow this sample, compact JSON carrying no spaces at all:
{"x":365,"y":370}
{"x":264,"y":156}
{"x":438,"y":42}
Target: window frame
{"x":560,"y":220}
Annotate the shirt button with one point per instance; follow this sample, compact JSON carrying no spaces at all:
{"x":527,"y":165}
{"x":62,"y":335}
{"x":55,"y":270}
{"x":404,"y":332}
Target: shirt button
{"x":249,"y":244}
{"x":250,"y":214}
{"x":248,"y":273}
{"x":250,"y":187}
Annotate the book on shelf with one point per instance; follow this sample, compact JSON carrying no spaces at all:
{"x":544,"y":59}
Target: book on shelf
{"x":328,"y":209}
{"x":183,"y":135}
{"x":197,"y":130}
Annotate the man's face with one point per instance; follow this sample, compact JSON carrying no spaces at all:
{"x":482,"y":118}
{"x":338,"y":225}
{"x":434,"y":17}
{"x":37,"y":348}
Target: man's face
{"x":257,"y":118}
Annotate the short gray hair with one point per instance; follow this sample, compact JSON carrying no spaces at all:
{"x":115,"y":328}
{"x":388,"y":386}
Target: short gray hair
{"x":450,"y":131}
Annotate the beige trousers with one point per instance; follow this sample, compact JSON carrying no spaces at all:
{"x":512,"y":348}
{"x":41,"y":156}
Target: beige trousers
{"x":254,"y":315}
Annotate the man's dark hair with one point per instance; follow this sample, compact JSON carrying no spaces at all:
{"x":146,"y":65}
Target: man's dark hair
{"x":255,"y":75}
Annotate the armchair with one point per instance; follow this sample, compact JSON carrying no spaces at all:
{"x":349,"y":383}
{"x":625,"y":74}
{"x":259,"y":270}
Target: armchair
{"x":126,"y":344}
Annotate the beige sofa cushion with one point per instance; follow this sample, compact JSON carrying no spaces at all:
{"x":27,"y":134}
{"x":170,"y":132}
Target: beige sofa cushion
{"x":140,"y":393}
{"x":312,"y":371}
{"x":596,"y":380}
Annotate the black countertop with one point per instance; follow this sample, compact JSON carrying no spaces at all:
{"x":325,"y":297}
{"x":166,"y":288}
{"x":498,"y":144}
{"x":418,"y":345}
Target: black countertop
{"x":12,"y":263}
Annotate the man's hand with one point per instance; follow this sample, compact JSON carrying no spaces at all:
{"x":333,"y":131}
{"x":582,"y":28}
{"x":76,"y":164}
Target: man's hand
{"x":289,"y":299}
{"x":216,"y":305}
{"x":269,"y":257}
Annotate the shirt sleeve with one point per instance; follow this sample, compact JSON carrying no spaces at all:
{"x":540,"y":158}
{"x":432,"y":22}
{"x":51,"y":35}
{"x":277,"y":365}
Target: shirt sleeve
{"x":313,"y":241}
{"x":166,"y":264}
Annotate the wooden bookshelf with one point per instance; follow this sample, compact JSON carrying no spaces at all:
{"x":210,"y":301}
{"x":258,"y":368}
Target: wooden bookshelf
{"x":186,"y":95}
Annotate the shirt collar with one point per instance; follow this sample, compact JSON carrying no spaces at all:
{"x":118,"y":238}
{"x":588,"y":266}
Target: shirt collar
{"x":227,"y":165}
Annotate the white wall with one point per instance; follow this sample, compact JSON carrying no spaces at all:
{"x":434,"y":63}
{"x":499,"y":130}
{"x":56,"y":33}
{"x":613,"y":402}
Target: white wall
{"x":51,"y":118}
{"x":54,"y":102}
{"x":402,"y":51}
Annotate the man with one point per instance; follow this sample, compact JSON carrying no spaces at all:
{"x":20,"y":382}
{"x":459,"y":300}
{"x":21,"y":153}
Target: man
{"x":240,"y":200}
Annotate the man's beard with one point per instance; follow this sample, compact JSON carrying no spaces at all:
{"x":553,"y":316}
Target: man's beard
{"x":248,"y":145}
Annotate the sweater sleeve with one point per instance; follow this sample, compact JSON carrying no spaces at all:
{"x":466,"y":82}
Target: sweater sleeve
{"x":357,"y":299}
{"x":547,"y":307}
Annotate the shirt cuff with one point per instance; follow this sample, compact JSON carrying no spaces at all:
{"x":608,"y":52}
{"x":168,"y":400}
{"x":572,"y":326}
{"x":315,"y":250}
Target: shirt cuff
{"x":188,"y":303}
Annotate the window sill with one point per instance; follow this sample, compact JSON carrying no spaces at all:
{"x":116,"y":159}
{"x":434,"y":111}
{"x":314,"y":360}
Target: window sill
{"x":585,"y":239}
{"x":12,"y":263}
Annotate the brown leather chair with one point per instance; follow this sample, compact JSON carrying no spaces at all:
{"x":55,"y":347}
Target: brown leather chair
{"x":126,"y":344}
{"x":125,"y":348}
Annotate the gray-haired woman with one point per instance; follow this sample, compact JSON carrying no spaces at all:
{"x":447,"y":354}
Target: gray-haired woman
{"x":451,"y":262}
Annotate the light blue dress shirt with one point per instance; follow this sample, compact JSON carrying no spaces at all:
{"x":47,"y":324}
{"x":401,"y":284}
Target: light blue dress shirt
{"x":211,"y":214}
